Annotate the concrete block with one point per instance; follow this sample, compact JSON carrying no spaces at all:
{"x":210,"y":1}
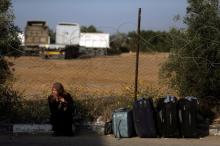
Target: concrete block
{"x":32,"y":128}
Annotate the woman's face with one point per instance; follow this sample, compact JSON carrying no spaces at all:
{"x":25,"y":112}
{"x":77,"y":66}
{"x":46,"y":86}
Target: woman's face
{"x":54,"y":92}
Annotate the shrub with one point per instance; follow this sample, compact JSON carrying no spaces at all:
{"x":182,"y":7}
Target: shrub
{"x":10,"y":105}
{"x":192,"y":66}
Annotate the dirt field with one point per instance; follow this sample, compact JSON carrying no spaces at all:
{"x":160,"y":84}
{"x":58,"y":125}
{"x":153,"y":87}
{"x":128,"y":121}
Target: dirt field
{"x":99,"y":76}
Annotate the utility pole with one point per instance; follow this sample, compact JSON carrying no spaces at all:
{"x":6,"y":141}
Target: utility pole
{"x":137,"y":54}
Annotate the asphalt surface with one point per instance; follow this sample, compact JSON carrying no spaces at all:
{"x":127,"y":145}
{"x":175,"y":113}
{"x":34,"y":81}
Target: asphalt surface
{"x":92,"y":139}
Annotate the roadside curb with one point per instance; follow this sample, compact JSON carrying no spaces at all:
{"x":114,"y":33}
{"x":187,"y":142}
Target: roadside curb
{"x":44,"y":128}
{"x":32,"y":128}
{"x":214,"y":130}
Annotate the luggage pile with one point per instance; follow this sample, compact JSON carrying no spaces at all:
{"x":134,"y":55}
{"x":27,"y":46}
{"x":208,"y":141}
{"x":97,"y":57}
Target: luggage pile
{"x":171,"y":118}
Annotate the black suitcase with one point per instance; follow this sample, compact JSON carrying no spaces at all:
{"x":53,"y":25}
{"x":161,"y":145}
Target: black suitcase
{"x":188,"y":117}
{"x":144,"y":118}
{"x":160,"y":116}
{"x":167,"y":117}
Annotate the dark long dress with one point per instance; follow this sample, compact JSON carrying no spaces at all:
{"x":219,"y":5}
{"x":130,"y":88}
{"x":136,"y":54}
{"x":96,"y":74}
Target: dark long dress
{"x":61,"y":115}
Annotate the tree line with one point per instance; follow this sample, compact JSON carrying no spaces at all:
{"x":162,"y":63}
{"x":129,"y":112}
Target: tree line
{"x":150,"y":41}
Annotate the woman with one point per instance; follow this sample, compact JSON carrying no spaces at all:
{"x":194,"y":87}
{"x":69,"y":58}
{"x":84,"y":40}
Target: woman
{"x":61,"y":108}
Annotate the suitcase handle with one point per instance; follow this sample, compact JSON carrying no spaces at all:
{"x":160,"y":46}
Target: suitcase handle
{"x":121,"y":109}
{"x":118,"y":129}
{"x":161,"y":116}
{"x":191,"y":98}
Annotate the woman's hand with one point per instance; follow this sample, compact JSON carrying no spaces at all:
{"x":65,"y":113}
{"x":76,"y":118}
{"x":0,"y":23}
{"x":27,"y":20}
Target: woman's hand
{"x":58,"y":98}
{"x":61,"y":99}
{"x":63,"y":103}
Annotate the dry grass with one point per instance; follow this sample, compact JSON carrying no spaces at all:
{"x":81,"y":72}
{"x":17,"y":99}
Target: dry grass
{"x":101,"y":76}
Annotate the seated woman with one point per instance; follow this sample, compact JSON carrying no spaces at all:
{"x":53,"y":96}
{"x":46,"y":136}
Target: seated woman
{"x":61,"y":108}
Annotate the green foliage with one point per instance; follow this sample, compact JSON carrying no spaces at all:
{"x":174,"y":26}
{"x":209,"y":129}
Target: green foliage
{"x":90,"y":28}
{"x":9,"y":42}
{"x":4,"y":5}
{"x":34,"y":111}
{"x":5,"y":72}
{"x":5,"y":33}
{"x":92,"y":108}
{"x":193,"y":64}
{"x":15,"y":110}
{"x":86,"y":108}
{"x":10,"y":104}
{"x":150,"y":41}
{"x":119,"y":44}
{"x":10,"y":100}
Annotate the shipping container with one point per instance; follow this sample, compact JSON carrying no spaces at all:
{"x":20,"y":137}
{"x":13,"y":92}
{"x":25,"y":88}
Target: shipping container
{"x":68,"y":34}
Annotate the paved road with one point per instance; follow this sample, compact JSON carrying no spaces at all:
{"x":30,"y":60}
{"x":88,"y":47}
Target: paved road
{"x":91,"y":139}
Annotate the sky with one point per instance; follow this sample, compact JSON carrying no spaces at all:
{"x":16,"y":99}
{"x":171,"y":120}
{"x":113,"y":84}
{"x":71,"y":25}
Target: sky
{"x":107,"y":15}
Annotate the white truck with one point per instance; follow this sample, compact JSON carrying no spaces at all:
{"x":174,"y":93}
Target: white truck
{"x":95,"y":44}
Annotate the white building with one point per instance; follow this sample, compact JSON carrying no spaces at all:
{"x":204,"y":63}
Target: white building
{"x":21,"y":38}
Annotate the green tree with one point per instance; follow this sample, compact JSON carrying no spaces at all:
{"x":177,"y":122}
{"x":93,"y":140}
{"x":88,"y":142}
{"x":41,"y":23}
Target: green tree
{"x":5,"y":24}
{"x":193,"y":64}
{"x":118,"y":43}
{"x":9,"y":41}
{"x":90,"y":28}
{"x":9,"y":45}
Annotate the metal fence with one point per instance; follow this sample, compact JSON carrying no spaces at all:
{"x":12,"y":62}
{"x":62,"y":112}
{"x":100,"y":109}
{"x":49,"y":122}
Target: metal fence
{"x":95,"y":76}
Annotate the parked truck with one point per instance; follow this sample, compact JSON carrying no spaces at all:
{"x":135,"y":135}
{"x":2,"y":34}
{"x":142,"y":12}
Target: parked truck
{"x":36,"y":33}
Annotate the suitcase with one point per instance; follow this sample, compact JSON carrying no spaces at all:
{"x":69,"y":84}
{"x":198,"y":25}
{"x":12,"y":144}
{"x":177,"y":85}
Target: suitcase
{"x":122,"y":122}
{"x":160,"y":116}
{"x":167,"y":117}
{"x":144,"y":118}
{"x":188,"y":117}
